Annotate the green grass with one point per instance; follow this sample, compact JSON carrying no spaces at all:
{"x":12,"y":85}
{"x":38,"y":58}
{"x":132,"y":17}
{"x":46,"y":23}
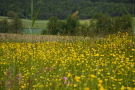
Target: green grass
{"x":3,"y":17}
{"x":39,"y":24}
{"x":34,"y":31}
{"x":42,"y":24}
{"x":85,"y":21}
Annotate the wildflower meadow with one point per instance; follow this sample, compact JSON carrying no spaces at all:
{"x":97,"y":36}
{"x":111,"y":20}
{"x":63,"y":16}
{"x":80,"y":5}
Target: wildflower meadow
{"x":103,"y":64}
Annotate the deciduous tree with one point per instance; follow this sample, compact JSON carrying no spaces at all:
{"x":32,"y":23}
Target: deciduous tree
{"x":4,"y":26}
{"x":17,"y":25}
{"x":11,"y":14}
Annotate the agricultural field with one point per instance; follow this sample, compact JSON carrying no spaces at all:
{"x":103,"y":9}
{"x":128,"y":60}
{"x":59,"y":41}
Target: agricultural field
{"x":40,"y":24}
{"x":3,"y":17}
{"x":68,"y":63}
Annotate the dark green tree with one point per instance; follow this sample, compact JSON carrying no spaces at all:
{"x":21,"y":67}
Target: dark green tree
{"x":44,"y":32}
{"x":11,"y":14}
{"x":123,"y":24}
{"x":4,"y":26}
{"x":117,"y":24}
{"x":52,"y":25}
{"x":61,"y":25}
{"x":17,"y":25}
{"x":103,"y":23}
{"x":72,"y":25}
{"x":126,"y":22}
{"x":61,"y":8}
{"x":84,"y":29}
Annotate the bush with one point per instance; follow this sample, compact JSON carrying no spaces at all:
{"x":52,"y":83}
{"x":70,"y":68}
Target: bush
{"x":100,"y":24}
{"x":123,"y":24}
{"x":103,"y":23}
{"x":11,"y":14}
{"x":44,"y":31}
{"x":71,"y":25}
{"x":126,"y":22}
{"x":53,"y":25}
{"x":61,"y":25}
{"x":17,"y":25}
{"x":84,"y":29}
{"x":4,"y":26}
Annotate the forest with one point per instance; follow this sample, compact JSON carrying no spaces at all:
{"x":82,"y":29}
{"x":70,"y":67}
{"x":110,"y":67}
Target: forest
{"x":62,"y":8}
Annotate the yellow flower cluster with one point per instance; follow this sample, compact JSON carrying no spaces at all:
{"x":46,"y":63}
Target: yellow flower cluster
{"x":104,"y":64}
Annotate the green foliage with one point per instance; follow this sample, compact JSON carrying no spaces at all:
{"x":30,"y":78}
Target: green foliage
{"x":62,"y":27}
{"x":61,"y":8}
{"x":126,"y":22}
{"x":71,"y":25}
{"x":52,"y":25}
{"x":117,"y":23}
{"x":44,"y":32}
{"x":31,"y":9}
{"x":132,"y":23}
{"x":11,"y":14}
{"x":4,"y":26}
{"x":33,"y":21}
{"x":84,"y":30}
{"x":20,"y":15}
{"x":16,"y":24}
{"x":103,"y":23}
{"x":92,"y":24}
{"x":123,"y":23}
{"x":100,"y":24}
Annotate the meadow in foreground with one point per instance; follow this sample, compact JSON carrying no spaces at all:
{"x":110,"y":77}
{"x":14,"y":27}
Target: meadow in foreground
{"x":105,"y":64}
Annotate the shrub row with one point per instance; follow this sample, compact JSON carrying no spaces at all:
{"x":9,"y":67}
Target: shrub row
{"x":100,"y":24}
{"x":13,"y":26}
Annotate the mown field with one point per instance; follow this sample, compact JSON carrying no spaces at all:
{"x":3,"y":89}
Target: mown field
{"x":42,"y":24}
{"x":38,"y":26}
{"x":64,"y":63}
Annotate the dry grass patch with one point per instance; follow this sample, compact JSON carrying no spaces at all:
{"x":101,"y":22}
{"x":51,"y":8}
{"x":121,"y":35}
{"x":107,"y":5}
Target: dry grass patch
{"x":40,"y":38}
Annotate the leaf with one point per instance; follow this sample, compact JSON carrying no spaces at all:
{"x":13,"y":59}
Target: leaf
{"x":33,"y":21}
{"x":127,"y":11}
{"x":129,"y":16}
{"x":133,"y":27}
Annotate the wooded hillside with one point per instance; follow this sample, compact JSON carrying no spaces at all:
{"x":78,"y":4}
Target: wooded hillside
{"x":62,"y":8}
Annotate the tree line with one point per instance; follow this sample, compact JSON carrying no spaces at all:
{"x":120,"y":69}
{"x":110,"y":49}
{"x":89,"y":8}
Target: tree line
{"x":15,"y":25}
{"x":61,"y":8}
{"x":101,"y":24}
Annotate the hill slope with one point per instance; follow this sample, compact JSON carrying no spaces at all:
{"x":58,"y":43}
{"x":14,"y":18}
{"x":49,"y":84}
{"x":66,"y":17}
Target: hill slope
{"x":61,"y":8}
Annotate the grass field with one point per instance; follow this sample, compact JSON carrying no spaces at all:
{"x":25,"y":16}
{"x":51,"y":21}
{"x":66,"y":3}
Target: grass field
{"x":67,"y":63}
{"x":41,"y":24}
{"x":3,"y":17}
{"x":38,"y":26}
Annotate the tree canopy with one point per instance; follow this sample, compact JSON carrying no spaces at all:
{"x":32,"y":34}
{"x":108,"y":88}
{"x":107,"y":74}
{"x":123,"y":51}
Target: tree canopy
{"x":62,"y":8}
